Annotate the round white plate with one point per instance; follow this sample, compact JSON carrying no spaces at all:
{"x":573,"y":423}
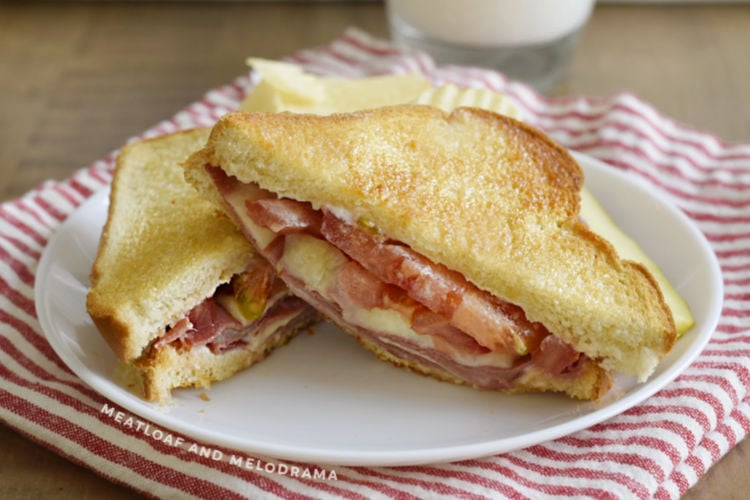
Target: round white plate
{"x":324,"y":400}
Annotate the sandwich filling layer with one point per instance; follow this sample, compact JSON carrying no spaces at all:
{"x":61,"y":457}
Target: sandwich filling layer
{"x":243,"y":313}
{"x":393,"y":299}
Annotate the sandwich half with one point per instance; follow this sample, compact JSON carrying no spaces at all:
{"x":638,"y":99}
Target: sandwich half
{"x":176,"y":291}
{"x":450,"y":244}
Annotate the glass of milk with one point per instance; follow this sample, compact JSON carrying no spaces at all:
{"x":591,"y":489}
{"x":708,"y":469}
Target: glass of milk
{"x":529,"y":40}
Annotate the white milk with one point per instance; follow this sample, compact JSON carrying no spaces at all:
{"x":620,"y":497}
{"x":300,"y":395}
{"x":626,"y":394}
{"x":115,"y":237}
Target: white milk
{"x":493,"y":23}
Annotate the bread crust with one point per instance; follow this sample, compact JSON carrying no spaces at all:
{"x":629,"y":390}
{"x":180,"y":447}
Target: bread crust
{"x":171,"y":366}
{"x":476,"y":191}
{"x":163,"y":250}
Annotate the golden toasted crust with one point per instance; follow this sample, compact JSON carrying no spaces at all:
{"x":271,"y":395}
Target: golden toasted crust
{"x":478,"y":192}
{"x":163,"y":248}
{"x":164,"y":369}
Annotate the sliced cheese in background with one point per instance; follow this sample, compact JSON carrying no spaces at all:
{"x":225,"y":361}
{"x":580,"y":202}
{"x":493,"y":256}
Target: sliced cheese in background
{"x":286,"y":87}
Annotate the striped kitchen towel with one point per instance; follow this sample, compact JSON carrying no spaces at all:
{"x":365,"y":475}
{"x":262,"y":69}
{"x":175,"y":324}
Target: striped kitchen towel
{"x":658,"y":448}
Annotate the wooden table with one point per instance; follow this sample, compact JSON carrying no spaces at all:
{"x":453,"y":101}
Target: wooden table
{"x":77,"y":79}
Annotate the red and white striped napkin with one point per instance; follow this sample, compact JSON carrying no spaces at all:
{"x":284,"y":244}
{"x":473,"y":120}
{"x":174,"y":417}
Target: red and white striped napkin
{"x":657,"y":449}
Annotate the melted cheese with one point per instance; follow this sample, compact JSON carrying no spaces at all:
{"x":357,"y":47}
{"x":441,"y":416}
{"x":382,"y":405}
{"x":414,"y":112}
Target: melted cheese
{"x":258,"y":341}
{"x":314,"y":261}
{"x":236,"y":200}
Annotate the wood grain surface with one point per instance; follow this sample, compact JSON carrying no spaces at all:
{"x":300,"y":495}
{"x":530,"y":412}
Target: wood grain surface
{"x":78,"y":79}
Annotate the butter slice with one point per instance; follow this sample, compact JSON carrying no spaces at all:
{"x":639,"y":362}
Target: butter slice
{"x":286,"y":87}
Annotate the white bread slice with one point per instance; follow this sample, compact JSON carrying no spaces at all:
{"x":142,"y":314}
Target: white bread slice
{"x":478,"y":192}
{"x":162,"y":251}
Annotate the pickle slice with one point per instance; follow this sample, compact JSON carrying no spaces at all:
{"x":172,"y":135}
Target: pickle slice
{"x":252,"y":288}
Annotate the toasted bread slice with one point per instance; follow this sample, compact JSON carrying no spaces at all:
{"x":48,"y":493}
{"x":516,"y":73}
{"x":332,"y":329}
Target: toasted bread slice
{"x":163,"y":250}
{"x":480,"y":193}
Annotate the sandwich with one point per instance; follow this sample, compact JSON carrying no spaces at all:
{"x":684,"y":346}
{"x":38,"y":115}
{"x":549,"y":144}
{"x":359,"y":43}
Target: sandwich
{"x":447,"y":243}
{"x":287,"y":87}
{"x":179,"y":295}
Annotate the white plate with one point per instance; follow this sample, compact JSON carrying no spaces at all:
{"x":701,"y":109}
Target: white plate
{"x":324,"y":400}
